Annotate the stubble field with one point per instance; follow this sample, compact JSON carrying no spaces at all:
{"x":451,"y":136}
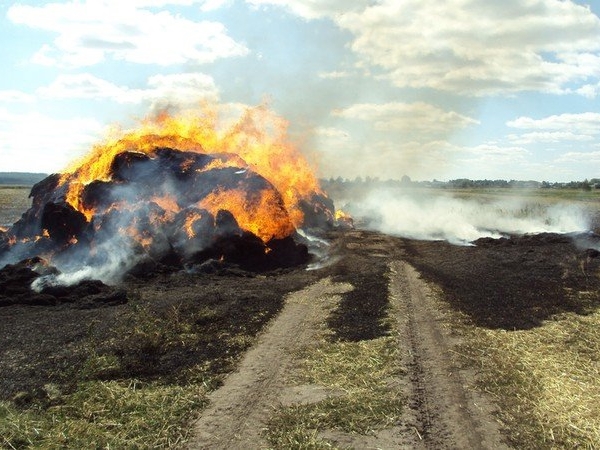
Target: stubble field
{"x":522,"y":316}
{"x":14,"y":200}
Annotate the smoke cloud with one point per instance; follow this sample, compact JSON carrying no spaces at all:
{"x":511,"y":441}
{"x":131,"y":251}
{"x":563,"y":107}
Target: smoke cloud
{"x":462,"y":220}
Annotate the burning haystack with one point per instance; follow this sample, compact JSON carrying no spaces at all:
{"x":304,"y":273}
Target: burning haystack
{"x":176,"y":192}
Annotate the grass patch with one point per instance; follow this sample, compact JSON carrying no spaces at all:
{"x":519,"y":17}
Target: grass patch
{"x":141,"y":381}
{"x":352,"y":365}
{"x":361,"y":370}
{"x":549,"y":195}
{"x":363,"y":373}
{"x":362,"y":412}
{"x":546,"y":379}
{"x":14,"y":201}
{"x":104,"y":414}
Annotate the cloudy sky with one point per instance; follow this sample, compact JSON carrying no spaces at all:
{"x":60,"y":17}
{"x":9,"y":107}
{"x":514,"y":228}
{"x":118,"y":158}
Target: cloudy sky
{"x":381,"y":88}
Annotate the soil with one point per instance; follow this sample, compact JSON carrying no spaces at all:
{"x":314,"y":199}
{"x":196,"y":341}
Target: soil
{"x":446,"y":410}
{"x":237,"y":411}
{"x":509,"y":283}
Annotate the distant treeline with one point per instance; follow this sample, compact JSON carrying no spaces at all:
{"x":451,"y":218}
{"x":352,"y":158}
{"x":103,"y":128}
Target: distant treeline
{"x":20,"y":178}
{"x":461,"y":183}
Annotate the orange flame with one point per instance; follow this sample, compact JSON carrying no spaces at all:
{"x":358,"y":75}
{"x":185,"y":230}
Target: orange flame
{"x":169,"y":204}
{"x":249,"y":213}
{"x":343,"y":219}
{"x":341,"y":215}
{"x":259,"y":140}
{"x":189,"y":224}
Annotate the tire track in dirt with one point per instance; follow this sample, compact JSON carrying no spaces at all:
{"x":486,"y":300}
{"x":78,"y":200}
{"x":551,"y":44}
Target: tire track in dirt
{"x":238,"y":410}
{"x":444,"y":409}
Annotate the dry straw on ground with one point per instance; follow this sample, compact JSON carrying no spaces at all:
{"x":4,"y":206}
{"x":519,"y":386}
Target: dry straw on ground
{"x":360,"y":375}
{"x":546,"y":379}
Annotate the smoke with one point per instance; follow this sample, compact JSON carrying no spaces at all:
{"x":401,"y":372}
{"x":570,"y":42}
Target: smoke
{"x":114,"y":249}
{"x":462,"y":220}
{"x":320,"y":249}
{"x":167,"y":210}
{"x":112,"y":253}
{"x":118,"y":257}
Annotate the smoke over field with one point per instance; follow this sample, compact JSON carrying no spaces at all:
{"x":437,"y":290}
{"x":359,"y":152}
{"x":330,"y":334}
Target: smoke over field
{"x":461,"y":218}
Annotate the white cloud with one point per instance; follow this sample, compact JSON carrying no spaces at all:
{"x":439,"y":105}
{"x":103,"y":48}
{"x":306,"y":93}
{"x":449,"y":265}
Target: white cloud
{"x":489,"y":153}
{"x":180,"y":89}
{"x":563,"y":132}
{"x":588,"y":122}
{"x":211,"y":5}
{"x":407,"y":117}
{"x":90,"y":32}
{"x":162,"y":3}
{"x":205,"y":5}
{"x":584,"y":157}
{"x":492,"y":160}
{"x":336,"y":74}
{"x":37,"y":143}
{"x":582,"y":164}
{"x":15,"y":96}
{"x":87,"y":86}
{"x":474,"y":47}
{"x":478,"y":47}
{"x":315,"y":9}
{"x":183,"y":88}
{"x":332,"y":133}
{"x":589,"y":90}
{"x":548,"y":136}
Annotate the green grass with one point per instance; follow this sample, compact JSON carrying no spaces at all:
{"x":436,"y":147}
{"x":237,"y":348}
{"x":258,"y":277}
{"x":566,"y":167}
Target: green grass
{"x":544,"y":195}
{"x":366,"y":400}
{"x":105,"y":414}
{"x":106,"y":408}
{"x":106,"y":405}
{"x":361,"y":377}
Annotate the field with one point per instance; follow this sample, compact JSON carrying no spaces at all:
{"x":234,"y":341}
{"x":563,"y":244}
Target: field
{"x":13,"y":202}
{"x":374,"y":349}
{"x":527,"y":315}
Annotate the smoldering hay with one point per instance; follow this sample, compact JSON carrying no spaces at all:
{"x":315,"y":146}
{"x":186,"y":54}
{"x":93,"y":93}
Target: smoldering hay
{"x":178,"y":191}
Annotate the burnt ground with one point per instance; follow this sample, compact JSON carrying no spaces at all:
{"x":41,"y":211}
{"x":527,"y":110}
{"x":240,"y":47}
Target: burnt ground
{"x":41,"y":344}
{"x":513,"y":284}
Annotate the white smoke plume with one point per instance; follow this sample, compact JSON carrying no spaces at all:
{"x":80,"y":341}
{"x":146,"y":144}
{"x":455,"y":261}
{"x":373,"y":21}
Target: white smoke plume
{"x":458,"y":220}
{"x":119,"y":258}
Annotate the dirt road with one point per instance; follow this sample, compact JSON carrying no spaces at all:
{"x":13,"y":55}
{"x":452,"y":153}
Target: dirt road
{"x":187,"y":329}
{"x":447,"y":411}
{"x":442,"y":410}
{"x":238,"y":410}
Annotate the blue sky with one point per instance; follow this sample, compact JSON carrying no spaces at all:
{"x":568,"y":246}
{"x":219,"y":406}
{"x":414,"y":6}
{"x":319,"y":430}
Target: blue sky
{"x":379,"y":88}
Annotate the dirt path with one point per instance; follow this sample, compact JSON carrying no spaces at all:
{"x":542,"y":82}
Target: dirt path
{"x":238,"y":410}
{"x":443,"y":409}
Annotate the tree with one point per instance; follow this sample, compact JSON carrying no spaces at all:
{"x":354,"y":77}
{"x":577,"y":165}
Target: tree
{"x":586,"y":186}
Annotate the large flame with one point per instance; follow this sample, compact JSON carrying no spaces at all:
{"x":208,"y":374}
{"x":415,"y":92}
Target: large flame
{"x":259,"y":140}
